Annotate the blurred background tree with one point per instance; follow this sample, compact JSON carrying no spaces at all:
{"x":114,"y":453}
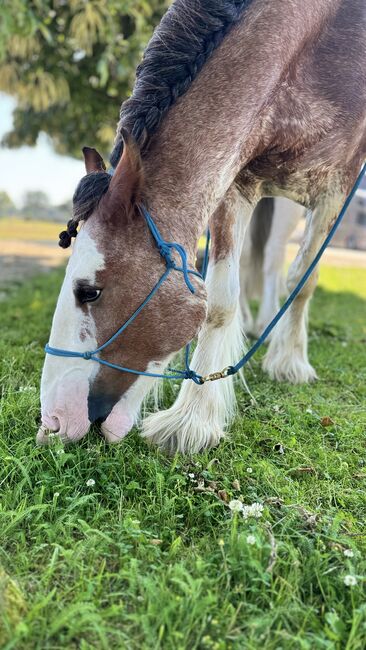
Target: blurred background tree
{"x":36,"y":204}
{"x":7,"y":206}
{"x":70,"y":64}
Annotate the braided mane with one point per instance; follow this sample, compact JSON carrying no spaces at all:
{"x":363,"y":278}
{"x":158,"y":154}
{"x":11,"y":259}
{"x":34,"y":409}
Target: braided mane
{"x":186,"y":37}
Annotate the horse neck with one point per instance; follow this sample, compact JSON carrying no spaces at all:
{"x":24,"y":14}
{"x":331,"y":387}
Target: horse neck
{"x":218,"y":125}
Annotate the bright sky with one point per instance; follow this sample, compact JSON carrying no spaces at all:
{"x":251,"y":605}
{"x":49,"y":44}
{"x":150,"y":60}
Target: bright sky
{"x":35,"y":168}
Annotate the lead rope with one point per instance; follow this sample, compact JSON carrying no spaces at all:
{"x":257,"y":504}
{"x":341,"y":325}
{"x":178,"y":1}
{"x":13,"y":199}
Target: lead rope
{"x":165,"y":249}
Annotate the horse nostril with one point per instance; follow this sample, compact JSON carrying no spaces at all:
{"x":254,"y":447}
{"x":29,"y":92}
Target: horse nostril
{"x":100,"y":406}
{"x":50,"y":426}
{"x":56,"y":423}
{"x":51,"y":423}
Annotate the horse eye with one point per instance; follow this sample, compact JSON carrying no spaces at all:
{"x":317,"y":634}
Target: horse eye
{"x":87,"y":294}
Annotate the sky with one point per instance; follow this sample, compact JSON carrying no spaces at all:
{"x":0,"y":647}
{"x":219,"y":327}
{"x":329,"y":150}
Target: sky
{"x":35,"y":168}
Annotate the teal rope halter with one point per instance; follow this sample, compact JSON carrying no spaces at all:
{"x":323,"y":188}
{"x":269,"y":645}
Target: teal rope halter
{"x":165,"y":249}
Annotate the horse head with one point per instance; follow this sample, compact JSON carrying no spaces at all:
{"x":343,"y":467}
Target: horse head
{"x":114,"y":265}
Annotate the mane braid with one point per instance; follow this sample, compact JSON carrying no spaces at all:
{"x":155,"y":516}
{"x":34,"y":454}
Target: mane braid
{"x":186,"y":37}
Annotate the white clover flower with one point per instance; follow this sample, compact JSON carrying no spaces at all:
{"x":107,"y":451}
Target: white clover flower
{"x":255,"y":510}
{"x":191,"y":475}
{"x":250,"y":470}
{"x":251,"y":540}
{"x":90,"y":482}
{"x":348,"y":552}
{"x":60,"y":451}
{"x":350,"y":581}
{"x":235,"y":505}
{"x":56,"y":494}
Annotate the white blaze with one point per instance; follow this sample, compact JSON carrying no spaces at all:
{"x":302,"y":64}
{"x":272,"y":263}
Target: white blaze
{"x":65,"y":380}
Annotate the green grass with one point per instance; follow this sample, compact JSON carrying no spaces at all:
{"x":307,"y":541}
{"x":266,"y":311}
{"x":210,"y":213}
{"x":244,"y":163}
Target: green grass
{"x":143,"y":559}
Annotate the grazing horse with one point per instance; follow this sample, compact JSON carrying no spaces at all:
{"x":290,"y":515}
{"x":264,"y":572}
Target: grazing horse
{"x":233,"y":101}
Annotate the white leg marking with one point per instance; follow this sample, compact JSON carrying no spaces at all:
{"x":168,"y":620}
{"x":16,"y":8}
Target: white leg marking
{"x":245,"y":278}
{"x":287,"y":357}
{"x":286,"y":216}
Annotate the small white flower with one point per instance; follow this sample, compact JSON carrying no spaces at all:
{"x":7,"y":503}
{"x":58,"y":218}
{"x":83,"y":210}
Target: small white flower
{"x":255,"y":510}
{"x":60,"y":451}
{"x":57,"y":494}
{"x":350,"y":581}
{"x":191,"y":475}
{"x":348,"y":552}
{"x":251,"y":540}
{"x":90,"y":482}
{"x":250,"y":470}
{"x":276,"y":408}
{"x":235,"y":505}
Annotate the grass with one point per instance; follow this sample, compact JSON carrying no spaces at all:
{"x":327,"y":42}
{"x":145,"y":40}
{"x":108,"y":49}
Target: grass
{"x":37,"y":230}
{"x":150,"y":556}
{"x":29,"y":230}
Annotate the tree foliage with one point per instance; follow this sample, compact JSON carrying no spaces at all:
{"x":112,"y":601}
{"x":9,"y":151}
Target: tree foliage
{"x":6,"y":204}
{"x":70,"y":64}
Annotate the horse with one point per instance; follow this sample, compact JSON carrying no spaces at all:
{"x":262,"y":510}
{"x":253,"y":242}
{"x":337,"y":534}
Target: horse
{"x":233,"y":101}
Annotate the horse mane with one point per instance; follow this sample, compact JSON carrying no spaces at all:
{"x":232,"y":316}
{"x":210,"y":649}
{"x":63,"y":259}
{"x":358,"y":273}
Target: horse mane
{"x":187,"y":35}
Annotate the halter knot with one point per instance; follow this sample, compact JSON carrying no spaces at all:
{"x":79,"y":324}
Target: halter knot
{"x":164,"y":251}
{"x":87,"y":355}
{"x":191,"y":374}
{"x":183,"y":256}
{"x":165,"y":248}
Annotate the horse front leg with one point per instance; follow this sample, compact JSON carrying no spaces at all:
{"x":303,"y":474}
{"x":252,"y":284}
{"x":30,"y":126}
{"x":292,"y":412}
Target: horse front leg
{"x":200,"y":414}
{"x":287,"y":356}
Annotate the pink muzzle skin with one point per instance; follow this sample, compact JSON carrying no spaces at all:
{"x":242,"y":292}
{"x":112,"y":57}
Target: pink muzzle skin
{"x":64,"y":408}
{"x":118,"y":423}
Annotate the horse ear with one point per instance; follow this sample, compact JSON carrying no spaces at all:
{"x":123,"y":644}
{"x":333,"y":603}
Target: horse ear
{"x":127,"y":178}
{"x":93,"y":160}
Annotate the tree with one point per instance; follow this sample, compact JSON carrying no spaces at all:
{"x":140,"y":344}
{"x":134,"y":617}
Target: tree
{"x":7,"y":206}
{"x":36,"y":205}
{"x":70,"y":65}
